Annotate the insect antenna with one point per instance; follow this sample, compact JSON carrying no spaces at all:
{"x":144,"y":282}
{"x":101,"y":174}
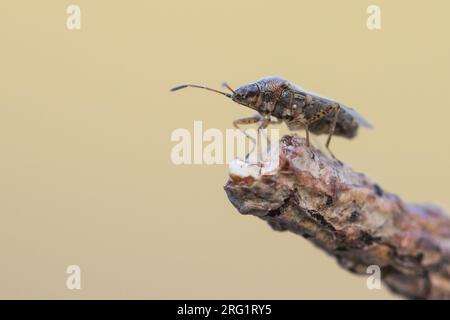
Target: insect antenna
{"x":200,"y":87}
{"x":225,"y":85}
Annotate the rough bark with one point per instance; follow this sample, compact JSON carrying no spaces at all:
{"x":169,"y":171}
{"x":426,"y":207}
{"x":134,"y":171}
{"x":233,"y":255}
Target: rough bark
{"x":349,"y":216}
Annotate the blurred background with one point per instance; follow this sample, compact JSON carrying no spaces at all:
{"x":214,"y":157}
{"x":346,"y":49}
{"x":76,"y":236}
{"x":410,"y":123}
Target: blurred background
{"x":86,"y":117}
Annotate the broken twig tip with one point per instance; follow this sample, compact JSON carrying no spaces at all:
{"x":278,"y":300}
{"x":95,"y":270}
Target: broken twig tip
{"x":349,"y":216}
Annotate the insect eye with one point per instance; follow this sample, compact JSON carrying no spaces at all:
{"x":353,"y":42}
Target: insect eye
{"x":252,"y":91}
{"x":268,"y":96}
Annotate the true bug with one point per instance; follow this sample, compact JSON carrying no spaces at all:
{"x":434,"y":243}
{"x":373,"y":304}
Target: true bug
{"x":297,"y":107}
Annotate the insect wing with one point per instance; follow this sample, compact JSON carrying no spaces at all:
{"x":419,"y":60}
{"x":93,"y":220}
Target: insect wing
{"x":358,"y":118}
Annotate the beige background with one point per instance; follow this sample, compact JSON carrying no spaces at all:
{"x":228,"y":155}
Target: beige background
{"x":86,"y":118}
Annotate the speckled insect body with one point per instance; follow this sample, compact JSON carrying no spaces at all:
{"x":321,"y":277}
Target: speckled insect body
{"x":300,"y":109}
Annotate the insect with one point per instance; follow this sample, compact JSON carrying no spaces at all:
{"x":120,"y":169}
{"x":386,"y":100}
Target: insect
{"x":300,"y":109}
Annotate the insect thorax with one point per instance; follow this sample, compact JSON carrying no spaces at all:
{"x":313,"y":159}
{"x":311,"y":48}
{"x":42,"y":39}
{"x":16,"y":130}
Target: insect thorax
{"x":289,"y":106}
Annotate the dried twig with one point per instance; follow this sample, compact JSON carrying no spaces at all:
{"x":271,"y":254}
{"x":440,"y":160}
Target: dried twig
{"x":349,"y":216}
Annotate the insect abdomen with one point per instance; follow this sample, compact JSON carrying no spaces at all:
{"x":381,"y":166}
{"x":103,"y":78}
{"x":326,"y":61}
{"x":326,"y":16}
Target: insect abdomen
{"x":291,"y":107}
{"x":346,"y":126}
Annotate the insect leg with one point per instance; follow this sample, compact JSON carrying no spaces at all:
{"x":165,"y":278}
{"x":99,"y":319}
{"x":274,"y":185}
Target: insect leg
{"x":299,"y":116}
{"x":308,"y":100}
{"x":333,"y":126}
{"x":249,"y":120}
{"x":277,"y":121}
{"x":264,"y":124}
{"x":322,"y":113}
{"x":307,"y":135}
